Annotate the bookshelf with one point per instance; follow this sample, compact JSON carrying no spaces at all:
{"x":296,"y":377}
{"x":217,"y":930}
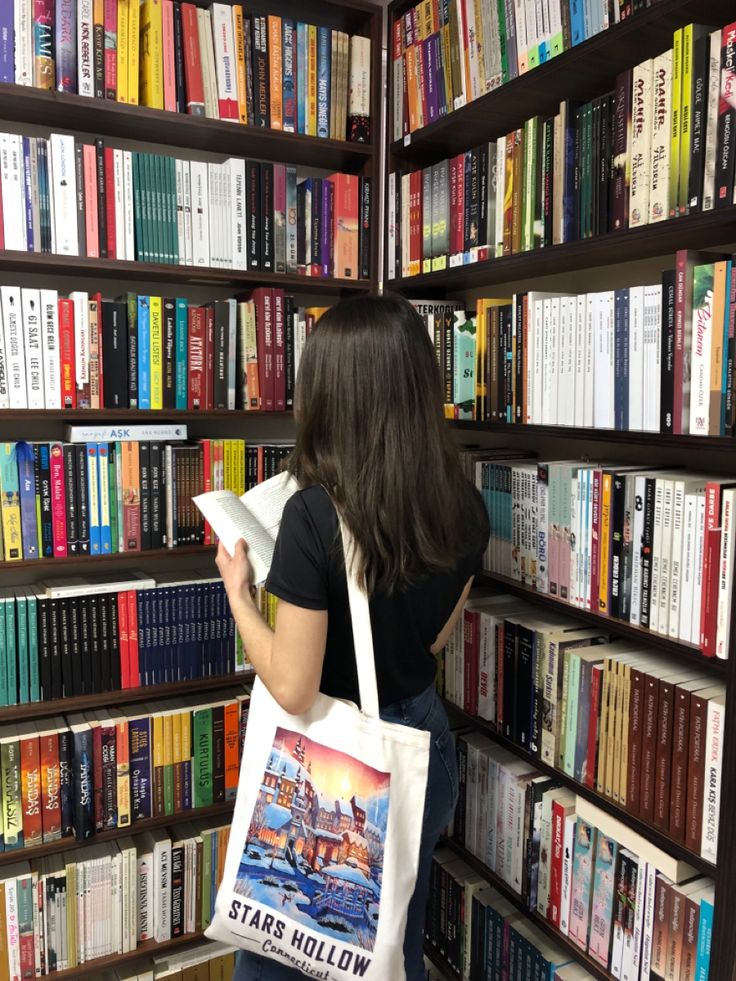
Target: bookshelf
{"x":581,"y":73}
{"x":35,"y":111}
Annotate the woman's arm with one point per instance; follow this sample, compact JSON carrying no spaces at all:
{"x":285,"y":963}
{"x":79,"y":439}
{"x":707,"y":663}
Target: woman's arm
{"x":288,"y":660}
{"x":444,"y":635}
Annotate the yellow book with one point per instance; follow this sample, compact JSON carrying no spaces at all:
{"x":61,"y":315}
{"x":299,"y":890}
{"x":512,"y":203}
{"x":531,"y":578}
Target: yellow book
{"x":600,"y":773}
{"x":157,"y":354}
{"x":676,"y":122}
{"x":10,"y":503}
{"x":152,"y":54}
{"x":685,"y":118}
{"x":312,"y":80}
{"x":122,"y":743}
{"x":424,"y":20}
{"x":613,"y":683}
{"x":186,"y":735}
{"x":481,"y":389}
{"x":176,"y":738}
{"x":134,"y":47}
{"x":168,"y":764}
{"x":157,"y":738}
{"x":123,"y":50}
{"x":446,"y":58}
{"x":239,"y":28}
{"x":228,"y":460}
{"x":241,"y":467}
{"x":604,"y":544}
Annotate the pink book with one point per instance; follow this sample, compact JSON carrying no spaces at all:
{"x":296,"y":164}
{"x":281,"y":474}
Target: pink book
{"x":111,"y":49}
{"x":169,"y":64}
{"x":58,"y":500}
{"x":89,"y":159}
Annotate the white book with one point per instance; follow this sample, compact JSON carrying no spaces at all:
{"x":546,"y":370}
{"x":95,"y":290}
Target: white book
{"x":238,"y":215}
{"x":128,"y":206}
{"x":569,"y":380}
{"x":224,"y":53}
{"x":602,"y":357}
{"x":461,"y":97}
{"x":161,"y":886}
{"x":207,"y":49}
{"x":659,"y":169}
{"x":475,"y":87}
{"x":391,"y":244}
{"x":255,"y":516}
{"x":580,"y":356}
{"x":633,"y":942}
{"x":109,"y":434}
{"x":10,"y":298}
{"x":545,"y":842}
{"x":637,"y":383}
{"x":119,"y":177}
{"x":397,"y":92}
{"x":13,"y":192}
{"x":227,"y":206}
{"x":590,"y":362}
{"x":213,"y":214}
{"x":31,"y":305}
{"x":23,"y":42}
{"x":652,"y":356}
{"x":567,"y":860}
{"x":12,"y":922}
{"x":199,"y":212}
{"x":698,"y":583}
{"x":711,"y":126}
{"x":187,"y":199}
{"x":64,"y":181}
{"x":725,"y":573}
{"x":687,"y":584}
{"x":85,"y":48}
{"x":522,"y":40}
{"x":656,"y":555}
{"x":145,"y":888}
{"x":665,"y":568}
{"x":548,"y":355}
{"x":712,"y":777}
{"x":682,"y":489}
{"x":81,"y":337}
{"x":641,"y":144}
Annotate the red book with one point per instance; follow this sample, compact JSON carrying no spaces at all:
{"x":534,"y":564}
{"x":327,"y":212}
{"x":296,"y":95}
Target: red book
{"x":454,"y":210}
{"x":595,"y":549}
{"x":415,"y":221}
{"x":591,"y":757}
{"x":92,"y":234}
{"x":559,"y":813}
{"x":264,"y":301}
{"x":50,"y":797}
{"x":193,"y":78}
{"x":58,"y":499}
{"x":345,"y":225}
{"x":134,"y":669}
{"x":123,"y":643}
{"x":259,"y":473}
{"x":111,"y":59}
{"x":30,"y":780}
{"x":711,"y":553}
{"x":209,"y":357}
{"x":279,"y":374}
{"x":110,"y":202}
{"x":68,"y":371}
{"x":196,"y":359}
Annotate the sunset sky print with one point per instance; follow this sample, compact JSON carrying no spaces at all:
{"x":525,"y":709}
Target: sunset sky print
{"x":334,"y":774}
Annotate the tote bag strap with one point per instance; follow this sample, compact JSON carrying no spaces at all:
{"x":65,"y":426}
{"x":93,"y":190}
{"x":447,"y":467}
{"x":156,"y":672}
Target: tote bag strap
{"x":360,"y":616}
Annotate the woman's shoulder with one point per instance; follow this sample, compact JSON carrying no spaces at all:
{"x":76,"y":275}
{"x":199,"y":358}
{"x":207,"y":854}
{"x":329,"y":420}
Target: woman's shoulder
{"x":312,"y":505}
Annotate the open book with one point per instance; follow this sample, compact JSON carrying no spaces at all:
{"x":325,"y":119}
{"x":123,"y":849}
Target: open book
{"x":255,"y":516}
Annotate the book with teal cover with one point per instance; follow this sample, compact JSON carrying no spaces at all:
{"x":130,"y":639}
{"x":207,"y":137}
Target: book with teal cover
{"x":582,"y":881}
{"x":181,"y":379}
{"x":4,"y":601}
{"x":604,"y":888}
{"x":34,"y":681}
{"x":144,"y":352}
{"x":705,"y":935}
{"x":464,"y":342}
{"x":140,"y":245}
{"x":21,"y":615}
{"x":301,"y":77}
{"x":11,"y":670}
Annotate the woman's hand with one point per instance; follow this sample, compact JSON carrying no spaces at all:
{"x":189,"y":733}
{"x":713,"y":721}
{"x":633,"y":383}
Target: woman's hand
{"x":236,"y":572}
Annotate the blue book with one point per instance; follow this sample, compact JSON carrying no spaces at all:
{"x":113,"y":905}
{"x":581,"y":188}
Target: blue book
{"x":289,"y":92}
{"x":301,"y":78}
{"x":21,"y":619}
{"x":577,"y":22}
{"x":727,"y":347}
{"x":705,"y":935}
{"x":34,"y":681}
{"x":323,"y":81}
{"x":27,"y":489}
{"x":83,"y":778}
{"x":7,"y":45}
{"x":29,"y":192}
{"x":144,"y":352}
{"x":181,"y":348}
{"x":103,"y":491}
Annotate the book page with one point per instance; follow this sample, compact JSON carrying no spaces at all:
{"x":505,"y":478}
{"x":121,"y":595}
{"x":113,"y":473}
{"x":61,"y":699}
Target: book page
{"x":266,"y":501}
{"x":231,"y":520}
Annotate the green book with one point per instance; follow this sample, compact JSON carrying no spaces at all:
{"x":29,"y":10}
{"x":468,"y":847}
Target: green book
{"x":202,"y":758}
{"x":3,"y":648}
{"x":173,"y":211}
{"x":158,"y":217}
{"x":11,"y":663}
{"x":502,"y":36}
{"x":21,"y":613}
{"x":34,"y":681}
{"x":146,"y":208}
{"x":10,"y":773}
{"x":138,"y":208}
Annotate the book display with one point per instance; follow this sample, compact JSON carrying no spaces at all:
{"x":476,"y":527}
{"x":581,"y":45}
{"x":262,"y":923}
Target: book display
{"x":560,"y":209}
{"x":184,"y":189}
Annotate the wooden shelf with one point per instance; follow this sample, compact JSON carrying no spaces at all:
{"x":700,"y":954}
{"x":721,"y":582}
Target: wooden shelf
{"x":432,"y":954}
{"x":223,"y":810}
{"x":147,"y":416}
{"x":93,"y":969}
{"x":50,"y":264}
{"x":678,"y":649}
{"x":83,"y":703}
{"x":706,"y":230}
{"x":582,"y":72}
{"x":646,"y":830}
{"x":539,"y":921}
{"x":629,"y":437}
{"x":101,"y":117}
{"x":155,"y":553}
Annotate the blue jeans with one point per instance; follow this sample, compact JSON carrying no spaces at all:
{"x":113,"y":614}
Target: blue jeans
{"x":423,"y":711}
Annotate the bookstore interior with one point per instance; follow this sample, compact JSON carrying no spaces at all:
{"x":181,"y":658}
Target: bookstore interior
{"x":185,"y":186}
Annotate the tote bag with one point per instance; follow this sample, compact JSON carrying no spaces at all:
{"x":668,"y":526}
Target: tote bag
{"x":324,"y":846}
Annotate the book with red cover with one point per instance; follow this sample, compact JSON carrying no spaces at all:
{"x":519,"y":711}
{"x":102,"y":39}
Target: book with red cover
{"x":134,"y":669}
{"x":711,"y":553}
{"x":345,"y":225}
{"x":209,"y":357}
{"x":196,"y":359}
{"x":31,"y":792}
{"x":123,"y":644}
{"x":58,"y":499}
{"x":471,"y":630}
{"x":50,"y":786}
{"x":192,"y":60}
{"x":594,"y":714}
{"x":66,"y":336}
{"x":560,"y":810}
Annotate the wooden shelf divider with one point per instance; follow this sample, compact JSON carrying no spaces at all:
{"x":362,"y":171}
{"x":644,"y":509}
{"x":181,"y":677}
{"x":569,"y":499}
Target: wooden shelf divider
{"x":93,"y":969}
{"x":203,"y":551}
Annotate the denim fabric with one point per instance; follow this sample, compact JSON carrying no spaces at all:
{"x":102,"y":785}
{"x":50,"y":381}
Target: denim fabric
{"x":423,"y":711}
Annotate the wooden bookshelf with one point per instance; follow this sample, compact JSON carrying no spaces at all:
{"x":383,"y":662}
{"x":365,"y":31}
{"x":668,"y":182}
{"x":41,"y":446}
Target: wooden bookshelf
{"x":124,"y":416}
{"x":432,"y":954}
{"x":148,"y":949}
{"x":203,"y":551}
{"x":620,"y":436}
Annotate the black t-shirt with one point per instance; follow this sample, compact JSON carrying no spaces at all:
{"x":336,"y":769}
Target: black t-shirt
{"x":308,"y":570}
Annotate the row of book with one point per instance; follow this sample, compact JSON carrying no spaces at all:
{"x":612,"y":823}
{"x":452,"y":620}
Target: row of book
{"x":649,"y":546}
{"x":63,"y":912}
{"x":79,"y":775}
{"x":204,"y":962}
{"x":219,"y":62}
{"x":480,"y":934}
{"x":135,"y":630}
{"x":150,"y":352}
{"x":634,"y":156}
{"x":617,"y":718}
{"x":86,"y":497}
{"x":68,"y":197}
{"x":446,"y":55}
{"x":655,"y":358}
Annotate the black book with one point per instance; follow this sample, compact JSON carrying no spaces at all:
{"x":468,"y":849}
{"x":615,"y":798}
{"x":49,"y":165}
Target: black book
{"x":510,"y":658}
{"x":181,"y":89}
{"x":301,"y":225}
{"x":260,"y":73}
{"x":448,"y":323}
{"x":144,"y":457}
{"x":131,"y":331}
{"x":218,"y":754}
{"x":482,"y":235}
{"x":101,"y":203}
{"x":315,"y":252}
{"x":114,"y":644}
{"x":253,"y":186}
{"x":72,"y":504}
{"x":158,"y":514}
{"x":726,"y":155}
{"x":66,"y":782}
{"x":115,"y":354}
{"x":698,"y":118}
{"x":77,"y":652}
{"x":267,"y":254}
{"x":647,"y":542}
{"x":82,"y":497}
{"x":221,"y":350}
{"x":364,"y":229}
{"x":595,"y":164}
{"x":604,"y":171}
{"x":289,"y":351}
{"x":524,"y":686}
{"x":177,"y":890}
{"x":169,"y":345}
{"x":81,"y":220}
{"x":44,"y":648}
{"x":667,"y":362}
{"x":57,"y":686}
{"x":43,"y":489}
{"x":105,"y":652}
{"x":95,"y":643}
{"x":65,"y":649}
{"x":577,"y":171}
{"x":85,"y":645}
{"x":83,"y":766}
{"x":98,"y":62}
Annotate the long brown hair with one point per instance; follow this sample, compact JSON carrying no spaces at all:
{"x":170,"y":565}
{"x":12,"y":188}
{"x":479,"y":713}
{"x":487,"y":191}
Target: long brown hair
{"x":371,"y":429}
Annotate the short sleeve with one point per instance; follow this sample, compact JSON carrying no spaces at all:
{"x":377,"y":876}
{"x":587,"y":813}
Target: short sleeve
{"x":299,"y":571}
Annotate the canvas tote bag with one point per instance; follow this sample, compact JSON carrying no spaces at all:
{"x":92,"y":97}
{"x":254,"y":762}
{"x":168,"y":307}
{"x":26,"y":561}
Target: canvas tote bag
{"x":324,"y":846}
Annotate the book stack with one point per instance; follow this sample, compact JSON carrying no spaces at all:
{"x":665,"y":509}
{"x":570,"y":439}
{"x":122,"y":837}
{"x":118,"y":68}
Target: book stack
{"x":636,"y":727}
{"x":629,"y":905}
{"x":446,"y":56}
{"x":79,"y":775}
{"x":61,"y":913}
{"x":87,"y":497}
{"x":205,"y":962}
{"x":646,"y":546}
{"x":64,"y":196}
{"x":658,"y":147}
{"x":219,"y":62}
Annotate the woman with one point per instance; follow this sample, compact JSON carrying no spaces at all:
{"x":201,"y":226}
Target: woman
{"x":371,"y":437}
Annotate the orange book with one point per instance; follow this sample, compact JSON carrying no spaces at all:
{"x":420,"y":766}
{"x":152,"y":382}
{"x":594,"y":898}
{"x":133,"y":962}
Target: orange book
{"x":48,"y":740}
{"x":232,"y":746}
{"x":412,"y":92}
{"x":239,"y":29}
{"x":275,"y":67}
{"x":30,"y":783}
{"x":131,"y":496}
{"x":345,"y":225}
